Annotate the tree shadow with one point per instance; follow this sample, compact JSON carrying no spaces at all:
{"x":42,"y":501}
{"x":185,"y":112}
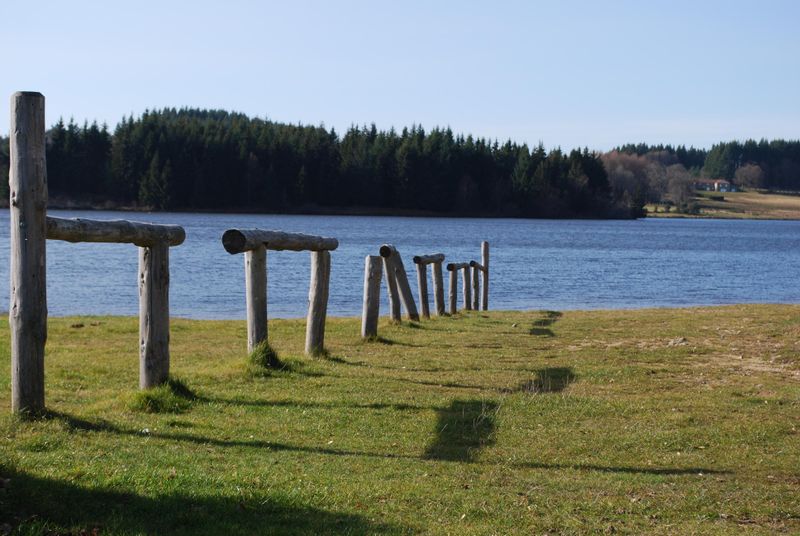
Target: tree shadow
{"x":463,"y":428}
{"x":50,"y":506}
{"x":548,"y":380}
{"x":540,"y":326}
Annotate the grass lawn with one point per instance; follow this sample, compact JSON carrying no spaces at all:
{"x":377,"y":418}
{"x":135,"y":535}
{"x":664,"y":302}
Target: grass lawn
{"x":655,"y":421}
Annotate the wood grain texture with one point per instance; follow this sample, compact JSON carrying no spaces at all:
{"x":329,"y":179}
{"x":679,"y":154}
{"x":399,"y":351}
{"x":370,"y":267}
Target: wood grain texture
{"x":255,"y":270}
{"x":241,"y":240}
{"x":27,"y":312}
{"x":438,"y":288}
{"x":422,"y":286}
{"x":318,"y":302}
{"x":115,"y":231}
{"x":153,"y":315}
{"x":372,"y":296}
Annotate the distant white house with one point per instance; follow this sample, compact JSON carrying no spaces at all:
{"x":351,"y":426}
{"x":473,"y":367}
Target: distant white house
{"x":714,"y":185}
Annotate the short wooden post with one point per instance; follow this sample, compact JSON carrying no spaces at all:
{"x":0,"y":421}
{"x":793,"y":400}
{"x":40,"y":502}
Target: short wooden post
{"x":485,"y":263}
{"x":372,"y":296}
{"x":318,"y":301}
{"x":255,"y":269}
{"x":153,"y":315}
{"x":438,"y":289}
{"x":391,"y":288}
{"x":476,"y":287}
{"x":453,"y":290}
{"x":27,"y":312}
{"x":466,"y":286}
{"x":422,"y":285}
{"x":404,"y":289}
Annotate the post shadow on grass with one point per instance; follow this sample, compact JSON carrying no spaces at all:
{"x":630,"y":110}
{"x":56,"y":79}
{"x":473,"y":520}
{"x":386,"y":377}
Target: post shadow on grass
{"x":463,"y":428}
{"x":677,"y":471}
{"x":548,"y":380}
{"x":50,"y":506}
{"x":541,"y":325}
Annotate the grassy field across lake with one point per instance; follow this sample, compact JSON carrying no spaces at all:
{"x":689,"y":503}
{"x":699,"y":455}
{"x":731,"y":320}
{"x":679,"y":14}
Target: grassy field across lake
{"x":670,"y":421}
{"x":738,"y":205}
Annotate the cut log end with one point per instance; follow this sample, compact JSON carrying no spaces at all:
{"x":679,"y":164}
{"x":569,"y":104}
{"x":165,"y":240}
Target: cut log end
{"x":234,"y":241}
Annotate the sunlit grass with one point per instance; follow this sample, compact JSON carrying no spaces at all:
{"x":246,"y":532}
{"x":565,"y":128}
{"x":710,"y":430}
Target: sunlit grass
{"x":653,"y":421}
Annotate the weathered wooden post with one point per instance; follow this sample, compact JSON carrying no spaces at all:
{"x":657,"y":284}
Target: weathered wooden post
{"x":391,"y":289}
{"x":249,"y":240}
{"x":466,"y":286}
{"x":396,"y":268}
{"x":318,"y":301}
{"x":438,"y":288}
{"x":453,"y":268}
{"x":422,"y":262}
{"x":485,"y":263}
{"x":372,"y":296}
{"x":255,"y":264}
{"x":477,"y":269}
{"x":27,"y":311}
{"x":153,"y":315}
{"x":453,"y":289}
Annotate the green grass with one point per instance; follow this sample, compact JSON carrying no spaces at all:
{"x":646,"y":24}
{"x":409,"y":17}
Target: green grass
{"x":628,"y":422}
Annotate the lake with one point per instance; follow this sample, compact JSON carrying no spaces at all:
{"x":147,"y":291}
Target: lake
{"x":535,"y":264}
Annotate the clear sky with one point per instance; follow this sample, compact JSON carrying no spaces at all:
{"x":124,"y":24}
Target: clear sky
{"x":566,"y":73}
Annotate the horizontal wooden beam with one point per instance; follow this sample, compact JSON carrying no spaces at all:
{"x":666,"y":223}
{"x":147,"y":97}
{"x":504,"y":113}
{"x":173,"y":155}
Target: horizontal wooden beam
{"x":241,"y":240}
{"x":429,"y":259}
{"x":452,"y":266}
{"x":115,"y":231}
{"x":476,"y":264}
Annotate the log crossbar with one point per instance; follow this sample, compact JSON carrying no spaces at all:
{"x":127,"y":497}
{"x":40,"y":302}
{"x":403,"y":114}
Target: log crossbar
{"x":114,"y":231}
{"x":254,"y":243}
{"x":240,"y":240}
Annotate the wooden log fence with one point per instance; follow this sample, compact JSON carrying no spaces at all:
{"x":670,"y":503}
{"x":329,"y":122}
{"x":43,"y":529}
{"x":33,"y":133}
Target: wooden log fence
{"x":454,"y":268}
{"x":393,"y":265}
{"x":254,"y":243}
{"x":372,"y":296}
{"x":485,"y":272}
{"x":422,"y":262}
{"x":31,"y":228}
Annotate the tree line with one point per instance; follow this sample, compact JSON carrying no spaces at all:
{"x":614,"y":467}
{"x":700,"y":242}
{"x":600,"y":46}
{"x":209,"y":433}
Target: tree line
{"x":213,"y":159}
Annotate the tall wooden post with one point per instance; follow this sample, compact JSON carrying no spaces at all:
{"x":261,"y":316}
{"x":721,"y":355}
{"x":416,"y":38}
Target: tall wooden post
{"x":438,"y":289}
{"x":153,"y":315}
{"x":453,"y":291}
{"x":318,"y":301}
{"x":465,"y":287}
{"x":476,"y":287}
{"x":255,"y":269}
{"x":372,"y":296}
{"x":485,"y":263}
{"x":391,"y":288}
{"x":422,"y":285}
{"x":27,"y":311}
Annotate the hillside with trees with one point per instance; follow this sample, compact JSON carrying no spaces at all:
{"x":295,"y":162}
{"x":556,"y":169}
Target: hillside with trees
{"x":216,"y":160}
{"x":188,"y":159}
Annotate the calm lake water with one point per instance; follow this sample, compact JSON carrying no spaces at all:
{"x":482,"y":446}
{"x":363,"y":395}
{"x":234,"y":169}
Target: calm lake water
{"x":561,"y":265}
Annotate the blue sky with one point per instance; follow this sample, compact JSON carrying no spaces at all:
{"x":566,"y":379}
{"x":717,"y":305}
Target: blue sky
{"x":566,"y":73}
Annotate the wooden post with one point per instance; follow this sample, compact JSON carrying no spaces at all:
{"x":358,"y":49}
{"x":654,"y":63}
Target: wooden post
{"x":255,"y":270}
{"x":399,"y":271}
{"x":476,"y":287}
{"x":318,"y":301}
{"x":465,"y":287}
{"x":453,"y":294}
{"x":391,"y":288}
{"x":485,"y":263}
{"x":422,"y":285}
{"x":438,"y":289}
{"x":153,"y":315}
{"x":27,"y":311}
{"x":372,"y":296}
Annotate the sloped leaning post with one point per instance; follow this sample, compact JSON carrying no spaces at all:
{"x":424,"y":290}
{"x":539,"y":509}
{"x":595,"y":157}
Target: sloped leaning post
{"x":254,"y":243}
{"x":372,"y":296}
{"x":31,"y":227}
{"x":395,"y":271}
{"x":422,"y":262}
